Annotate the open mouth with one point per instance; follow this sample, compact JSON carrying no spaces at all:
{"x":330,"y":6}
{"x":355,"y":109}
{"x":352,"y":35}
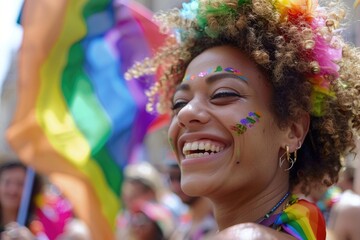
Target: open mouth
{"x":201,"y":148}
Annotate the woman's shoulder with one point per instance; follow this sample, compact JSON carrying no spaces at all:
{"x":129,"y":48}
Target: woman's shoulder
{"x":301,"y":219}
{"x":250,"y":231}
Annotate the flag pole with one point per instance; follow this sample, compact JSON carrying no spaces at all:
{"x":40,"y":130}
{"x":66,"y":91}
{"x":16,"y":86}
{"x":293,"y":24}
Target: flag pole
{"x":26,"y":196}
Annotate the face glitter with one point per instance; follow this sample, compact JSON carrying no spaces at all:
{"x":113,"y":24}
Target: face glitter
{"x":246,"y":123}
{"x":217,"y":69}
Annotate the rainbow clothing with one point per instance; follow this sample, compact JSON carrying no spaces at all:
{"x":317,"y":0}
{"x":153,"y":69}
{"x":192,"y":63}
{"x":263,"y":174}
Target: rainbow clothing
{"x":302,"y":220}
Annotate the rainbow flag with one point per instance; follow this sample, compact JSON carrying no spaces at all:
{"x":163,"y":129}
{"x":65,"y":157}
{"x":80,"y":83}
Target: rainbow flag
{"x":302,"y":220}
{"x":77,"y":120}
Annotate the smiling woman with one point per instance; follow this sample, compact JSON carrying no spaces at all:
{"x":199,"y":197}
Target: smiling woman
{"x":264,"y":96}
{"x":12,"y":178}
{"x":199,"y":110}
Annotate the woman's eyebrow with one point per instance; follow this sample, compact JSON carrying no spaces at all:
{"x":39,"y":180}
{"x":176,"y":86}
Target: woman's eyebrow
{"x":220,"y":76}
{"x":186,"y":87}
{"x":183,"y":87}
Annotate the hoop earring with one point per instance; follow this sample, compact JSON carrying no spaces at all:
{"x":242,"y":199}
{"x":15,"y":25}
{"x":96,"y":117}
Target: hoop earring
{"x":282,"y":158}
{"x":288,"y":158}
{"x":295,"y":152}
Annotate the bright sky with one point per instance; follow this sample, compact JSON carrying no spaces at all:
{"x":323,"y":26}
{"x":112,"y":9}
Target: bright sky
{"x":10,"y":34}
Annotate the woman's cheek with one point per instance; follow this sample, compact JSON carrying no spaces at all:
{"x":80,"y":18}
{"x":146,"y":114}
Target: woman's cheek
{"x":246,"y":123}
{"x":172,"y":134}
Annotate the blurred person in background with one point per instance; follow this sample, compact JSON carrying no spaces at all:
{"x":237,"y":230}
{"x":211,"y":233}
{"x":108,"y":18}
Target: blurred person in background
{"x":12,"y":182}
{"x":48,"y":211}
{"x":12,"y":178}
{"x":150,"y":220}
{"x":344,"y":216}
{"x":198,"y":222}
{"x":142,"y":183}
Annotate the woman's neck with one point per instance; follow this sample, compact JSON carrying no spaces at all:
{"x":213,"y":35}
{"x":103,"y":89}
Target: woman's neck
{"x":200,"y":210}
{"x":232,"y":210}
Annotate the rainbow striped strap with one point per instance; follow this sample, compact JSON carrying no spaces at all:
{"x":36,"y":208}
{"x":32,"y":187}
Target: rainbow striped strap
{"x":302,"y":220}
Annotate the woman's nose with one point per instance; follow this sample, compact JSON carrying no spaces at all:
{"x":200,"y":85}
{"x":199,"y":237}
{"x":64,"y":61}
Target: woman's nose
{"x":194,"y":113}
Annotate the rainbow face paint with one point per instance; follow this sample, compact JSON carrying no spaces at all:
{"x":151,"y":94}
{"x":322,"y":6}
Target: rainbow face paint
{"x":246,"y":123}
{"x":217,"y":69}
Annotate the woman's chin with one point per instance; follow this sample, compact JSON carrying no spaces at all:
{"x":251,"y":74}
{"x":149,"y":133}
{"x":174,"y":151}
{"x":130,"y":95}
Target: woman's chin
{"x":194,"y":186}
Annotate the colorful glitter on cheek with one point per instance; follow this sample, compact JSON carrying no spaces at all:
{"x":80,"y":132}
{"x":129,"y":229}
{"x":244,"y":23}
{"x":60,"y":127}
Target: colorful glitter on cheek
{"x":239,"y":128}
{"x":217,"y":69}
{"x":245,"y":123}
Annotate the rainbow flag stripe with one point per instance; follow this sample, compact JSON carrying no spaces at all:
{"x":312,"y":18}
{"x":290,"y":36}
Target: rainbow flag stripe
{"x":77,"y":120}
{"x":302,"y":220}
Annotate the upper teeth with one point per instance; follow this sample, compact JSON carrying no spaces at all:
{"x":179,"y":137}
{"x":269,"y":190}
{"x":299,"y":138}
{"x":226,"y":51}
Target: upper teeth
{"x":206,"y":146}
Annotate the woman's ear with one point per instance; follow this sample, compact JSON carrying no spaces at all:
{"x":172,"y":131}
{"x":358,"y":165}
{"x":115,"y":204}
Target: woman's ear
{"x":296,"y":131}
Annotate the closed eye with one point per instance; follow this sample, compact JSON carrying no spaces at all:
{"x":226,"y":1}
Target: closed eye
{"x":225,"y":95}
{"x":178,"y":105}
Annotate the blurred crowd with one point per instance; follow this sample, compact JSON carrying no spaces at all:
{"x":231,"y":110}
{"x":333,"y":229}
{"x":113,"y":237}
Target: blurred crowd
{"x":154,"y":206}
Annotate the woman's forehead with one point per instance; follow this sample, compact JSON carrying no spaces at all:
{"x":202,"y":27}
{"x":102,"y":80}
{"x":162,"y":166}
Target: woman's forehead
{"x":224,"y":60}
{"x":224,"y":56}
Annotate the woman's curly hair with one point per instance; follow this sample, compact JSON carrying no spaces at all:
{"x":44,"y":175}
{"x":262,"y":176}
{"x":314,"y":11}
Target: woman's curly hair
{"x":297,"y":44}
